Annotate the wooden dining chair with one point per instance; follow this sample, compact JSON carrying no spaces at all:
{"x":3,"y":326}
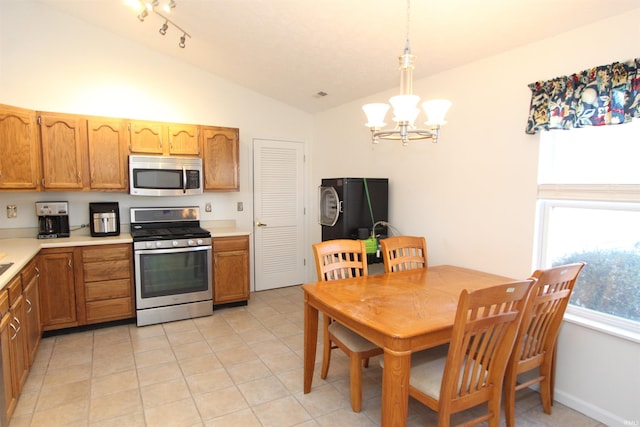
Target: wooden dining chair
{"x":536,"y":341}
{"x":471,"y":370}
{"x":343,"y":259}
{"x":403,"y":253}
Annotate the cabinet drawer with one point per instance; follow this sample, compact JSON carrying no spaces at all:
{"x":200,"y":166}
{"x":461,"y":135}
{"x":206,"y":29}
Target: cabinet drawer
{"x":107,"y":290}
{"x":230,"y":244}
{"x":28,"y":273}
{"x":15,"y":289}
{"x":113,"y":309}
{"x":107,"y":270}
{"x":106,"y":253}
{"x":4,"y":302}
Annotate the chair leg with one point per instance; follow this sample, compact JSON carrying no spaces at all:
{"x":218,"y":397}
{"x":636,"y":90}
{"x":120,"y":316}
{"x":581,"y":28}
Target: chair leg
{"x":355,"y":379}
{"x":509,"y":392}
{"x":546,"y":394}
{"x":494,"y":411}
{"x":552,"y":373}
{"x":326,"y":351}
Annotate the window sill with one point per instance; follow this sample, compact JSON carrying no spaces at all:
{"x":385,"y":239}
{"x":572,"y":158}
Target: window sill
{"x":604,"y":323}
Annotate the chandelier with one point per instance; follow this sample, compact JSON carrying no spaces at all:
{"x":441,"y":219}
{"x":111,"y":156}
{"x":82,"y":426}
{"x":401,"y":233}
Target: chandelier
{"x":405,"y":108}
{"x":153,"y":6}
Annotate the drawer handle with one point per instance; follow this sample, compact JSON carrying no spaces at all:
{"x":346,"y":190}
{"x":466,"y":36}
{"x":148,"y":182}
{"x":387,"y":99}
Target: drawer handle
{"x":15,"y":331}
{"x":30,"y":308}
{"x":37,"y":272}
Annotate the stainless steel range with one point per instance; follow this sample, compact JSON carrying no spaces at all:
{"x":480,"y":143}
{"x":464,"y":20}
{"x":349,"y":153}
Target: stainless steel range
{"x":172,"y":264}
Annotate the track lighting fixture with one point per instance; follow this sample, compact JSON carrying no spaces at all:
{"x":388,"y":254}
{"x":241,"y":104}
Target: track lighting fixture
{"x":143,"y":15}
{"x":146,"y":6}
{"x":164,"y":28}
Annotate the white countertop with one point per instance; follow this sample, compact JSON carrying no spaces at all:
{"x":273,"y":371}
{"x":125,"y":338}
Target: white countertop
{"x":21,"y":250}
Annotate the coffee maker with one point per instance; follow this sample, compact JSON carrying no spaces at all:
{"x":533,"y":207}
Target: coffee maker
{"x":53,"y":219}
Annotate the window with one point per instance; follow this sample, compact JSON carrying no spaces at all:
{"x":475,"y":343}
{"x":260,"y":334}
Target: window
{"x":589,"y":210}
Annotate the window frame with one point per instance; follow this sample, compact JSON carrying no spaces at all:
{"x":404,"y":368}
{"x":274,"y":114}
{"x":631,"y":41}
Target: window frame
{"x":620,"y":197}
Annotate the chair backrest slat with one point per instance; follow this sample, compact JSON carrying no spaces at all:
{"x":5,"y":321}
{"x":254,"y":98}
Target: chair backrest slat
{"x":401,"y":253}
{"x":340,"y":259}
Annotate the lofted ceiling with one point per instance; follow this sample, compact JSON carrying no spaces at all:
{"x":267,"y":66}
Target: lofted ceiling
{"x":291,"y":50}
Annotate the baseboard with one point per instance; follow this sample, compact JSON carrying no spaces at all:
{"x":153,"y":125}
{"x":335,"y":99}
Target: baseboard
{"x":590,"y":410}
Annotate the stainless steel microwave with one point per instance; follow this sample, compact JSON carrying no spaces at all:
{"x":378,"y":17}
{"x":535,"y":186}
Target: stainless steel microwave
{"x":165,"y":176}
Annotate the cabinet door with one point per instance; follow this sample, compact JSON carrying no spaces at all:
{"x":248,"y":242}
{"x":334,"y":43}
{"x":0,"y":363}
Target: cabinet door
{"x":107,"y":144}
{"x":20,"y":159}
{"x":31,"y":294}
{"x":230,"y":269}
{"x":220,"y":158}
{"x":57,"y":290}
{"x":63,"y":138}
{"x":19,"y":356}
{"x":183,"y":139}
{"x":10,"y":397}
{"x":146,"y":137}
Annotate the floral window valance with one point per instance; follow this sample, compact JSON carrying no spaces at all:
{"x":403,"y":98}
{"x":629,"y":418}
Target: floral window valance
{"x":603,"y":95}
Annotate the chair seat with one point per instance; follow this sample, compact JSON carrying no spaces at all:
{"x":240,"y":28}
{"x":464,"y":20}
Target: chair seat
{"x":427,"y":369}
{"x":349,"y":338}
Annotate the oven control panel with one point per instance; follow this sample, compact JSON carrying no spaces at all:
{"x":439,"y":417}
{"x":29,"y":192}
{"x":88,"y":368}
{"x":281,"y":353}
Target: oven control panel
{"x":173,"y":243}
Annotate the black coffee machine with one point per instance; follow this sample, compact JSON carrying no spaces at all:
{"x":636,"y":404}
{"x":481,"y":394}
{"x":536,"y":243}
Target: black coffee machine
{"x":53,"y":219}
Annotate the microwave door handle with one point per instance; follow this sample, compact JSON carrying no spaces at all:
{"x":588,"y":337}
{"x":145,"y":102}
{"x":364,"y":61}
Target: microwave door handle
{"x":184,"y":180}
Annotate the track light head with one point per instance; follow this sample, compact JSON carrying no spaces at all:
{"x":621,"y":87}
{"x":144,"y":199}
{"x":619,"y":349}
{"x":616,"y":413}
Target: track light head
{"x":164,"y":28}
{"x":182,"y":41}
{"x":143,"y":15}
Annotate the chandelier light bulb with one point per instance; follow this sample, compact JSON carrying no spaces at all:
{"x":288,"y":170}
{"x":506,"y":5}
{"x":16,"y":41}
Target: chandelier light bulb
{"x":436,"y":109}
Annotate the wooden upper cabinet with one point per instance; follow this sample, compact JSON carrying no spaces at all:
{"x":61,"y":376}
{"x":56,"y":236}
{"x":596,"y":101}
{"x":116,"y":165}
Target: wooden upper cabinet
{"x":163,"y":138}
{"x":183,"y":139}
{"x":63,"y":138}
{"x":146,"y":137}
{"x":20,"y":158}
{"x":220,"y":158}
{"x":107,"y":145}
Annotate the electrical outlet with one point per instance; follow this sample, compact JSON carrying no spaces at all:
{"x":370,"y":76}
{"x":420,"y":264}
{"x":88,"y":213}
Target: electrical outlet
{"x":240,"y":207}
{"x":12,"y":211}
{"x":207,"y":207}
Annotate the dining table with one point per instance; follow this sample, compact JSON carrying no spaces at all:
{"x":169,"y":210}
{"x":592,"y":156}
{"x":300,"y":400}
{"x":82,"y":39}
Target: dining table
{"x":402,"y":312}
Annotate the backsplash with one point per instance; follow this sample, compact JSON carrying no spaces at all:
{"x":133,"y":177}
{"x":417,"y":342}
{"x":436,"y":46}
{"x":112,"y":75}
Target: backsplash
{"x":26,"y":222}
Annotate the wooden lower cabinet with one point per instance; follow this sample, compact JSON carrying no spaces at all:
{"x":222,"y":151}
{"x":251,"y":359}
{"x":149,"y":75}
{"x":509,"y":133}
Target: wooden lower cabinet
{"x":6,"y":332}
{"x":230,"y":269}
{"x":57,"y":288}
{"x":20,"y":333}
{"x":31,"y":291}
{"x":108,"y":285}
{"x":18,"y":343}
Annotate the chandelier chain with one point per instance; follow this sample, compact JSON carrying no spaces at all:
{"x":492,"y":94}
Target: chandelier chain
{"x":407,"y":48}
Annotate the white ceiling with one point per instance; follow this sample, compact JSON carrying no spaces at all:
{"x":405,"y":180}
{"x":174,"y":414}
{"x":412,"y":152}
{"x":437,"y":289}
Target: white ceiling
{"x":292,"y":49}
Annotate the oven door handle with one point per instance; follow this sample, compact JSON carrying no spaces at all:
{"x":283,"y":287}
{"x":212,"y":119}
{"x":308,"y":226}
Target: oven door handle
{"x":172,"y":250}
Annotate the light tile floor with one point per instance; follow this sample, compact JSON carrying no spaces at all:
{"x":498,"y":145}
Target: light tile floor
{"x":240,"y":367}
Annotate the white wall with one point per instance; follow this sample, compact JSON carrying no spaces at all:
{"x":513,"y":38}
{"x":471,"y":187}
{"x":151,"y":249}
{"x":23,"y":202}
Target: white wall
{"x":473,"y":194}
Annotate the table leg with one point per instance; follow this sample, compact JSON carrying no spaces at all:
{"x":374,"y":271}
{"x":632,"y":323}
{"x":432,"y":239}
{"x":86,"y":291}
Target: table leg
{"x":395,"y":387}
{"x":310,"y":341}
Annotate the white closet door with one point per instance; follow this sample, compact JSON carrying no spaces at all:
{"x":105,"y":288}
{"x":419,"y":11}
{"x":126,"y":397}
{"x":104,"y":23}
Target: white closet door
{"x":278,"y":193}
